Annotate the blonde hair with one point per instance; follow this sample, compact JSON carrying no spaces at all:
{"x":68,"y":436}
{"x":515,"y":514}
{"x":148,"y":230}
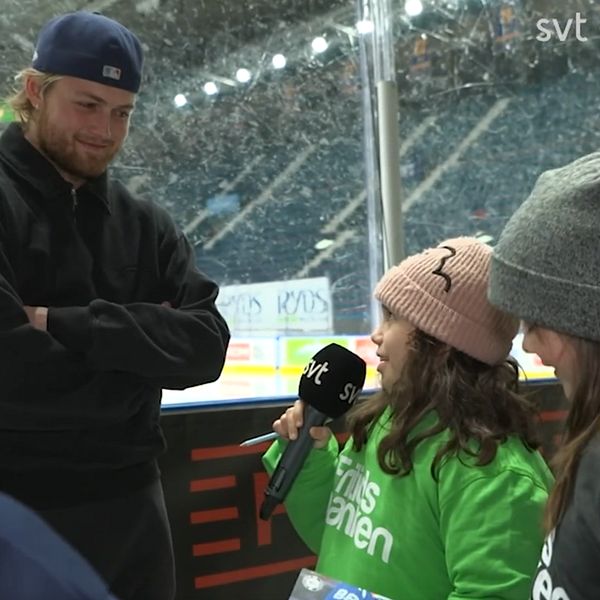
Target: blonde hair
{"x":19,"y":102}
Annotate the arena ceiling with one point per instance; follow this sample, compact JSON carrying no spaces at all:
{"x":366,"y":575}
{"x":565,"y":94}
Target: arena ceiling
{"x":186,"y":33}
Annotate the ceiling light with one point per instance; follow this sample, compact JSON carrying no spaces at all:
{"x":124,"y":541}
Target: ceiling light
{"x":413,"y":8}
{"x":279,"y":61}
{"x":365,"y":26}
{"x":243,"y":75}
{"x":210,"y":88}
{"x":319,"y":44}
{"x":180,"y":100}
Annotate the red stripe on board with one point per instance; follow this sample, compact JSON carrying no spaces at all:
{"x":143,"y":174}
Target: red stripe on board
{"x":554,"y":415}
{"x":213,"y":483}
{"x":209,"y":548}
{"x":233,"y":450}
{"x":217,"y":514}
{"x":227,"y":451}
{"x":206,"y":581}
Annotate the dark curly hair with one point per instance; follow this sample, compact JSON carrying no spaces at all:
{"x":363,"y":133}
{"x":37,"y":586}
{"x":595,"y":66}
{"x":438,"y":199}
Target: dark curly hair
{"x":474,"y":401}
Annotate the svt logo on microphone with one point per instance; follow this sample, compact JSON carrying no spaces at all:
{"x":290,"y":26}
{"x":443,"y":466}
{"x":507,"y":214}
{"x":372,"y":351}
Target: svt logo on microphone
{"x":315,"y":369}
{"x":350,"y":393}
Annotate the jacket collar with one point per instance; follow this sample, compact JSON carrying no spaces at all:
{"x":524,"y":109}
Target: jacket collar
{"x":33,"y":166}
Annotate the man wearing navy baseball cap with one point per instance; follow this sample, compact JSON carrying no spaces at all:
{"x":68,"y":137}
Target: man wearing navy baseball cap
{"x":102,"y":307}
{"x":82,"y":124}
{"x":90,"y":46}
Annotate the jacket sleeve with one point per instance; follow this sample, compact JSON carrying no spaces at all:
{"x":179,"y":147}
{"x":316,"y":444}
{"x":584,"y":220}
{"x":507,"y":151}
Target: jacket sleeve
{"x":173,"y":347}
{"x":306,"y":502}
{"x":492,"y":535}
{"x":23,"y":348}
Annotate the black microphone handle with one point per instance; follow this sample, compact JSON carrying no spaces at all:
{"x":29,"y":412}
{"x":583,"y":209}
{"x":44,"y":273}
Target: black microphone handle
{"x":291,"y":462}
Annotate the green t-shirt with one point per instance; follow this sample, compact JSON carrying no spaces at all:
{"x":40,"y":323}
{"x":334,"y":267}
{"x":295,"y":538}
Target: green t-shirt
{"x":475,"y":533}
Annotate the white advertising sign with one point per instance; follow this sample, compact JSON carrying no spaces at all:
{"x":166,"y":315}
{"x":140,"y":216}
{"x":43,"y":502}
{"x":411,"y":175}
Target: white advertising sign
{"x":278,"y":307}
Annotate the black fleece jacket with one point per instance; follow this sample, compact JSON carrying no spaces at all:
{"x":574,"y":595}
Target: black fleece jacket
{"x":84,"y":397}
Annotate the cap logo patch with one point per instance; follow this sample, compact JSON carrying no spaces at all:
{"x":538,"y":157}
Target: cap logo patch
{"x":111,"y":72}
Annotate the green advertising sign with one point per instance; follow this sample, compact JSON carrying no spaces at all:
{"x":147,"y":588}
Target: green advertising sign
{"x":6,"y":114}
{"x":298,"y":351}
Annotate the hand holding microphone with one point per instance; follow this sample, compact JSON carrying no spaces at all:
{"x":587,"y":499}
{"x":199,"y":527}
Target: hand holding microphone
{"x":291,"y":421}
{"x":329,"y":385}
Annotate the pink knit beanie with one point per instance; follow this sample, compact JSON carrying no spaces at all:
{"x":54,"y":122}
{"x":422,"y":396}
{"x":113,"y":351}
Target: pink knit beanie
{"x":443,"y":292}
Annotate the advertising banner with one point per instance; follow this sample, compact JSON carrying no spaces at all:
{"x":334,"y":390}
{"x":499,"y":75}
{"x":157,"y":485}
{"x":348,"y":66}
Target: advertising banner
{"x":278,"y":307}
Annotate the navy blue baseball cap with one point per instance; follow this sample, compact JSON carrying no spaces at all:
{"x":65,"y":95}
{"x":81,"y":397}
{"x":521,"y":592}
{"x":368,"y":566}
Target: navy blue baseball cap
{"x":90,"y":46}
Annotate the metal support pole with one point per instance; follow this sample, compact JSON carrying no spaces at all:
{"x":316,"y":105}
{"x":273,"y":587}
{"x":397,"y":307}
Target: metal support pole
{"x":391,"y":196}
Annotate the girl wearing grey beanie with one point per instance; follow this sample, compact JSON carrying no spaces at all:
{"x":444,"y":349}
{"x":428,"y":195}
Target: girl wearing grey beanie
{"x":546,"y":271}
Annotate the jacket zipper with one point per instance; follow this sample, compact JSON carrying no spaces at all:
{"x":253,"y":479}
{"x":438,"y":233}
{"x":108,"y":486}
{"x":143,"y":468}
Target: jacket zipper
{"x":74,"y":201}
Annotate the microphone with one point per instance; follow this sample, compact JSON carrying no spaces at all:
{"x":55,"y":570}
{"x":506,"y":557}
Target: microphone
{"x":330,"y":383}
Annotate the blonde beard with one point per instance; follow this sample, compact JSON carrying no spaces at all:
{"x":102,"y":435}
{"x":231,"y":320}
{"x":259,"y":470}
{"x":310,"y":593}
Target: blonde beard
{"x":61,"y":150}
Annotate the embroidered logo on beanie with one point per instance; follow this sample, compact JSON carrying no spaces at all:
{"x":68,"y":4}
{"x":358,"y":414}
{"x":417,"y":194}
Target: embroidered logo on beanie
{"x":439,"y":271}
{"x":443,"y":292}
{"x":90,"y":46}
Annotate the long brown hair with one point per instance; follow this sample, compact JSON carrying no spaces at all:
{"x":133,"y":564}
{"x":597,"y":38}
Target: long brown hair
{"x":582,"y":424}
{"x":474,"y":401}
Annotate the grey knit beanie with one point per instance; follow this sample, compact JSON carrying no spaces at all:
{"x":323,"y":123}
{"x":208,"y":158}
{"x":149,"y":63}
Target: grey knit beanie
{"x":546,"y":265}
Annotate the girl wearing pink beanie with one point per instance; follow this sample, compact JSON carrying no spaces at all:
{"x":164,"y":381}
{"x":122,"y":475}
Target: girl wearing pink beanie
{"x":439,"y":492}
